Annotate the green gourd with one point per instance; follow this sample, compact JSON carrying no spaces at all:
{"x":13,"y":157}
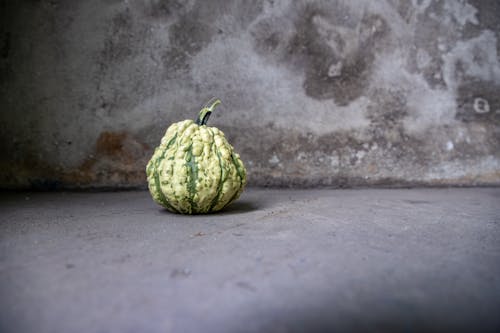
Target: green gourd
{"x":195,"y":170}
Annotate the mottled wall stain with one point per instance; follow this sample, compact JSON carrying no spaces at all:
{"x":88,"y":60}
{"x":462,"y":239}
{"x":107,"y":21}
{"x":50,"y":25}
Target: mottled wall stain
{"x":315,"y":92}
{"x":118,"y":158}
{"x":335,"y":54}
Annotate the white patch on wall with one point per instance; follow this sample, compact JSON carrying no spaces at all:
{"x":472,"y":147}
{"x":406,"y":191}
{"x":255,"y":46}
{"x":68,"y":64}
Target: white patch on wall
{"x":335,"y":69}
{"x":274,"y":160}
{"x":360,"y":154}
{"x":427,"y":107}
{"x":481,"y":105}
{"x":423,"y":59}
{"x":478,"y":58}
{"x":226,"y":67}
{"x":334,"y":161}
{"x":333,"y":33}
{"x":461,"y":11}
{"x":421,"y":5}
{"x":275,"y":7}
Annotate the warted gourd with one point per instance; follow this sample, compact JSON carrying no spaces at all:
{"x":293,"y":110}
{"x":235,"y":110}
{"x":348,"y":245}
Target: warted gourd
{"x":194,"y":169}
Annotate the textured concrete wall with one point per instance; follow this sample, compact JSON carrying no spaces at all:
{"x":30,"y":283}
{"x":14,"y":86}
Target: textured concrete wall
{"x":314,"y":92}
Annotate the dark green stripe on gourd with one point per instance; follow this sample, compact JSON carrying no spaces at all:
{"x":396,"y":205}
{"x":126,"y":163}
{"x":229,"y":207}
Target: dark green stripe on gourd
{"x":239,"y":170}
{"x":220,"y":183}
{"x":163,"y":200}
{"x":241,"y":175}
{"x":192,"y":177}
{"x":180,"y":175}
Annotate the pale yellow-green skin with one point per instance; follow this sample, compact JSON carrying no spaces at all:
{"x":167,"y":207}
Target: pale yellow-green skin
{"x":198,"y":173}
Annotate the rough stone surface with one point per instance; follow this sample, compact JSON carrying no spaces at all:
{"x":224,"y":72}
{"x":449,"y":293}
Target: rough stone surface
{"x":336,"y":92}
{"x":274,"y":261}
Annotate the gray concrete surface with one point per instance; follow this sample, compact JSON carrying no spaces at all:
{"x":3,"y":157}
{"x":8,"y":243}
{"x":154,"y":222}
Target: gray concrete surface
{"x":338,"y":92}
{"x":425,"y":260}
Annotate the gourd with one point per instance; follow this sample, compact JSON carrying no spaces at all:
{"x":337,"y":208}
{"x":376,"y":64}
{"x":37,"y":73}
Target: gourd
{"x":195,"y":170}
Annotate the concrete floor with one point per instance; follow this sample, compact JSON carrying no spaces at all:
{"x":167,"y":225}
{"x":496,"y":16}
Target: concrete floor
{"x":421,"y":260}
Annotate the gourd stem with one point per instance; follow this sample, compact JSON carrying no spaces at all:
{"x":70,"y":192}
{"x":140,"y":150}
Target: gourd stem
{"x":206,"y":111}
